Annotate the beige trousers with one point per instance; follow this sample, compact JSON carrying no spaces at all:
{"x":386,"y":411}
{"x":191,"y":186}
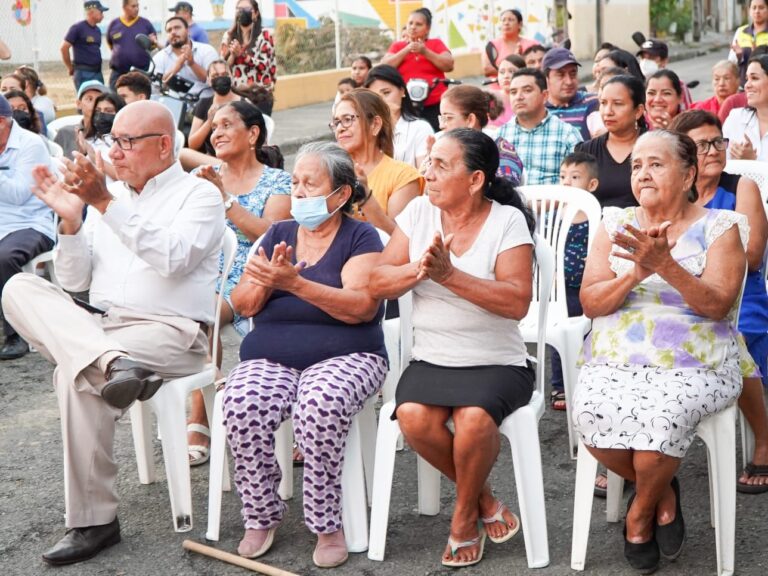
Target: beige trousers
{"x":81,"y":345}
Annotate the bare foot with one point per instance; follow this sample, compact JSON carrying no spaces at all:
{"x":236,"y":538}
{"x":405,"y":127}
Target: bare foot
{"x":488,"y":508}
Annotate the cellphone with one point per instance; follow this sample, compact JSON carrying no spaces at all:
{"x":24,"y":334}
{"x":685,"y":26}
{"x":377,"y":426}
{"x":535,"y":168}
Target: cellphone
{"x":88,"y":307}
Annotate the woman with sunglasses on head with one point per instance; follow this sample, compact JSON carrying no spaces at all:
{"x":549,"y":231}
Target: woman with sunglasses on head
{"x":410,"y":132}
{"x":424,"y":58}
{"x":249,"y":51}
{"x":718,"y":189}
{"x":362,"y":125}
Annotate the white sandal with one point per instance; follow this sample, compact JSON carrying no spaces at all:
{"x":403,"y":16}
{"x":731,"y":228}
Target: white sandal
{"x":198,"y":454}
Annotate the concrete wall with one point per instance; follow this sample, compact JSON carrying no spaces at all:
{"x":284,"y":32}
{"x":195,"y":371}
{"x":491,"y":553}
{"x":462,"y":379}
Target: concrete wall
{"x":620,"y":19}
{"x":313,"y":87}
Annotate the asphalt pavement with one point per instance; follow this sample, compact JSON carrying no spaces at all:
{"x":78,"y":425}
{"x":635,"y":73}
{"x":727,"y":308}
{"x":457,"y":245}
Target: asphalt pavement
{"x":31,"y":489}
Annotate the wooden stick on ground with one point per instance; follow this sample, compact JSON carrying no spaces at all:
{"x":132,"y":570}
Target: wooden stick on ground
{"x":234,"y":559}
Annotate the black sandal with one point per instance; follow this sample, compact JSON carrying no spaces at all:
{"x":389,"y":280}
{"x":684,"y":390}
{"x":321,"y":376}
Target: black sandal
{"x":754,"y":470}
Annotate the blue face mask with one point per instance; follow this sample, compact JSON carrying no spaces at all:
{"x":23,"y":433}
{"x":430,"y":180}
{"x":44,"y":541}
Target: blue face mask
{"x":311,"y":212}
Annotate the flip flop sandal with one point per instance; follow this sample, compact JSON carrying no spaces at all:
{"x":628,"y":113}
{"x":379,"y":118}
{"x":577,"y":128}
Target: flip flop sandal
{"x":602,"y":491}
{"x":456,"y":546}
{"x":298,"y":457}
{"x":557,"y":400}
{"x":198,"y":454}
{"x":498,"y":517}
{"x":754,"y":470}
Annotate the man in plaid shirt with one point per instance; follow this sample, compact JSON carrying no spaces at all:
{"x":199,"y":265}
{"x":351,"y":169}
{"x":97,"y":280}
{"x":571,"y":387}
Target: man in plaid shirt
{"x":541,"y":139}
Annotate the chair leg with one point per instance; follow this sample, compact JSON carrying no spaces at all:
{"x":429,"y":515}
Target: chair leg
{"x":522,"y":430}
{"x":386,"y":445}
{"x":747,"y":440}
{"x":719,"y":434}
{"x":217,"y":465}
{"x":354,"y":510}
{"x":586,"y":469}
{"x":141,"y":427}
{"x":614,"y":494}
{"x":429,"y":488}
{"x":284,"y":453}
{"x":172,"y":423}
{"x":367,"y":419}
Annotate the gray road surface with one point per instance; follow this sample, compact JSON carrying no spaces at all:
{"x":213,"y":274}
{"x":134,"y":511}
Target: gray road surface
{"x":31,"y":501}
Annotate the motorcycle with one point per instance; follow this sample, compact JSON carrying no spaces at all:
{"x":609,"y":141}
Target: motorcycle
{"x":173,"y":94}
{"x":419,"y":89}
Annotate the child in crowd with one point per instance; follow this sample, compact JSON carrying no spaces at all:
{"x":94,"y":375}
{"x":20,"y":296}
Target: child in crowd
{"x":533,"y":56}
{"x":358,"y":72}
{"x":345,"y":85}
{"x":579,"y":170}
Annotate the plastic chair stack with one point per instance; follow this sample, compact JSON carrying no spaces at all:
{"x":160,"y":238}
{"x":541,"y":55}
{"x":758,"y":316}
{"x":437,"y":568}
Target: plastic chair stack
{"x":555,"y":207}
{"x":169,"y":407}
{"x":520,"y":428}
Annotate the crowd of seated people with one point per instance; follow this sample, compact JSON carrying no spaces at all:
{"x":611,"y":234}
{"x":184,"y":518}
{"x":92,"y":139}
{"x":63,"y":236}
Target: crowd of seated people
{"x":438,"y":177}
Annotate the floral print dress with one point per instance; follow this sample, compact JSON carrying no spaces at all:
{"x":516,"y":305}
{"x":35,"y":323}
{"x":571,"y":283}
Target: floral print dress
{"x":654,"y":368}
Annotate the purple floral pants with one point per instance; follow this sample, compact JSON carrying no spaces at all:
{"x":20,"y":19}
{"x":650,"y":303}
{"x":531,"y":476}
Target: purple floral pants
{"x":322,"y":400}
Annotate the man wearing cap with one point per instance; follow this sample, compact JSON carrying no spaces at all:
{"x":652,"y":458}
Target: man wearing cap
{"x":121,"y":39}
{"x":26,"y":223}
{"x":654,"y":55}
{"x":541,"y":139}
{"x":84,"y":39}
{"x":564,"y":100}
{"x":148,"y":253}
{"x":196,"y":32}
{"x":184,"y":57}
{"x":67,"y":136}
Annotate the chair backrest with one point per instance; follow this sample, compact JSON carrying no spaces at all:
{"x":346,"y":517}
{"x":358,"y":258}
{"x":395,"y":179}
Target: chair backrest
{"x":229,"y":249}
{"x":54,"y":149}
{"x":754,"y":170}
{"x":543,"y":280}
{"x":554,"y":208}
{"x":59,"y":123}
{"x":178,"y":144}
{"x":270,"y":125}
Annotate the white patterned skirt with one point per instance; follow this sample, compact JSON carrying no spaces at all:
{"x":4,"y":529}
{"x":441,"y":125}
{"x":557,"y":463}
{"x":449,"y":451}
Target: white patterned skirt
{"x":630,"y":407}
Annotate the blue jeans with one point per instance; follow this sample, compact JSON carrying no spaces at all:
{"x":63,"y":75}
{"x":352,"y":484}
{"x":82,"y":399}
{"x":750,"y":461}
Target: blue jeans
{"x":574,"y":309}
{"x":85,"y":75}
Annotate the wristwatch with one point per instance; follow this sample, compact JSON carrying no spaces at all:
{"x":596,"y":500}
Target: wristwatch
{"x":231,"y":199}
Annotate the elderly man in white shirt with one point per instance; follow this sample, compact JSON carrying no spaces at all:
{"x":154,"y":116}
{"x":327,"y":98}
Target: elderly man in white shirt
{"x":184,"y":57}
{"x":149,"y":252}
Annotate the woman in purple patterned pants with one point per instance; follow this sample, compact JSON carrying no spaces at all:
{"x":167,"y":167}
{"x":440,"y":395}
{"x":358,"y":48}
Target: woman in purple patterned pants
{"x":315,"y":354}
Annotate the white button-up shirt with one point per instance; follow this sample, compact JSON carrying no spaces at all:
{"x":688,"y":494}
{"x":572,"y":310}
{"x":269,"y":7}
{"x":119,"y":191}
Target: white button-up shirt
{"x":156,"y":252}
{"x":202,"y":54}
{"x":743,"y":121}
{"x":19,"y":208}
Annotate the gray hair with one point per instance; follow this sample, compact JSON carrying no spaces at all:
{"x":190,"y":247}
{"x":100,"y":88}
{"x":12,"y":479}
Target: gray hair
{"x":728,"y":65}
{"x":338,"y":165}
{"x":683,"y":148}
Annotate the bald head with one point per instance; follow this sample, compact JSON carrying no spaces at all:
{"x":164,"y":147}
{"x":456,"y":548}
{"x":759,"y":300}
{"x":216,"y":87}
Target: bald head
{"x":149,"y":126}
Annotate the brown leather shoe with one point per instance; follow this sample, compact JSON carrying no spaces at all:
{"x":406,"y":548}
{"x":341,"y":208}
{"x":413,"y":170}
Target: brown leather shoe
{"x":81,"y":544}
{"x":127,"y":381}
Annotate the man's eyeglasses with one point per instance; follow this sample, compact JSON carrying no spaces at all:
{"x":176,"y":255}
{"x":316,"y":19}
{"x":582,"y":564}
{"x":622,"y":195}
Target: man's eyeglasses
{"x":126,"y":142}
{"x":344,"y":122}
{"x":703,"y":146}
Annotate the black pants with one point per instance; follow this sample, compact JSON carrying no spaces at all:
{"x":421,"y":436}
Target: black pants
{"x":16,"y":249}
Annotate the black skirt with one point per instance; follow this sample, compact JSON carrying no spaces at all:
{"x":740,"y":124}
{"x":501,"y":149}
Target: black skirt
{"x":499,"y":390}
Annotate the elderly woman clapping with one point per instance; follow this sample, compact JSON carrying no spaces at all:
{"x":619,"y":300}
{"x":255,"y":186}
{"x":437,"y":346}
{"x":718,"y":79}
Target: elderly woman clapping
{"x":315,"y":354}
{"x":465,"y":252}
{"x":661,"y":284}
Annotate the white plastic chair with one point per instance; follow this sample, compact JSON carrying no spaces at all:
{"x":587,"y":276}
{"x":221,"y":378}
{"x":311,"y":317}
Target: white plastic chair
{"x":521,"y":429}
{"x":719,"y":434}
{"x":269,"y":123}
{"x":46,"y":258}
{"x":357,"y":473}
{"x":59,"y":123}
{"x":555,"y":208}
{"x":169,"y":406}
{"x":178,"y":144}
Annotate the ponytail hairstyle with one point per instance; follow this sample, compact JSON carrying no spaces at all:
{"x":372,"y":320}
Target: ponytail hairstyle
{"x":472,"y":100}
{"x":252,"y":116}
{"x":636,"y":90}
{"x":480,"y":153}
{"x":32,"y":78}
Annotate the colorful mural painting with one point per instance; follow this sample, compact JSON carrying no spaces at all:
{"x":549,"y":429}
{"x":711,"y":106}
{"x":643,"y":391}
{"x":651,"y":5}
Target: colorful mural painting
{"x":22,"y":12}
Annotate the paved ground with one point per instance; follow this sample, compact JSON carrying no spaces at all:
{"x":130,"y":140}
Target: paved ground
{"x":31,"y":501}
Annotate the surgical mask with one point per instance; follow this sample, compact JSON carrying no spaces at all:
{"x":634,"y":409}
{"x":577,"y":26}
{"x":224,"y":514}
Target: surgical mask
{"x":245,"y":17}
{"x":23,"y":119}
{"x":648,"y":66}
{"x":102,"y":122}
{"x":311,"y":212}
{"x":221,"y":85}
